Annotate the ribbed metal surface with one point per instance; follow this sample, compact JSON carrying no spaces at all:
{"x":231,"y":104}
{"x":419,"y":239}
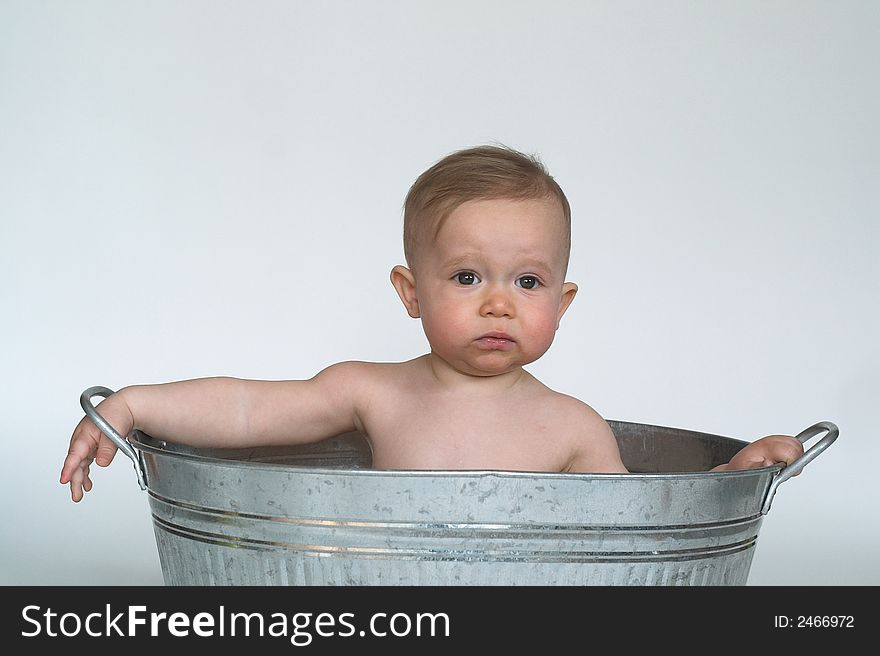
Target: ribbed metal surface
{"x":185,"y":563}
{"x":318,"y":515}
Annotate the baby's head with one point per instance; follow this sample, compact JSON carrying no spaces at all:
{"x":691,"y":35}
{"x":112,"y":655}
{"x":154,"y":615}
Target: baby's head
{"x":480,"y":173}
{"x":487,"y":241}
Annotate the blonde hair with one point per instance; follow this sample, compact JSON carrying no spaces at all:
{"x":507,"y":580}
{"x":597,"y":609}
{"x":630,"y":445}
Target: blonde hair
{"x":480,"y":173}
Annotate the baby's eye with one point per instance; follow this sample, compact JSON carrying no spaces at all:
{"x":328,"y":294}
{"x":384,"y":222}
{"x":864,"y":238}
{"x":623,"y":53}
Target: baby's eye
{"x":528,"y":282}
{"x":467,"y":278}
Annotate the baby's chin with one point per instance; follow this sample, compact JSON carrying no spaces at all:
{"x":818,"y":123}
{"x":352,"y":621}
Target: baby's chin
{"x":491,"y":364}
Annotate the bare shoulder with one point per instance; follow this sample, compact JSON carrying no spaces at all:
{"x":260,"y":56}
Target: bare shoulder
{"x":575,"y":409}
{"x":373,"y":389}
{"x":593,"y":445}
{"x":357,"y":374}
{"x":366,"y":382}
{"x":359,"y":387}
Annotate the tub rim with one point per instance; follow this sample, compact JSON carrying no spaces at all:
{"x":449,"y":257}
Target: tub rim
{"x":783,"y":472}
{"x":147,"y":444}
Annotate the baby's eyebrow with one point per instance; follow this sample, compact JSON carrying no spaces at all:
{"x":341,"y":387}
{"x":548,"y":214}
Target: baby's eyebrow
{"x":539,"y":266}
{"x":455,"y":261}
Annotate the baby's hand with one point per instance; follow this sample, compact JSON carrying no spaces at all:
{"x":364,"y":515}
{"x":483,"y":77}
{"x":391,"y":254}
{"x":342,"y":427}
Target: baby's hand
{"x":767,"y":451}
{"x":88,"y":444}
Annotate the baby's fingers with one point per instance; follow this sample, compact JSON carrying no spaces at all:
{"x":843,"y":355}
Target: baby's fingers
{"x":86,"y":444}
{"x":78,"y":454}
{"x":788,"y":450}
{"x":80,"y":481}
{"x":106,"y":450}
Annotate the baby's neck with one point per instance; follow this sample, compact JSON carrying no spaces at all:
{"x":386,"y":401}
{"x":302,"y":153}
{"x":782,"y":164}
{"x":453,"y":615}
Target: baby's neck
{"x":449,"y":378}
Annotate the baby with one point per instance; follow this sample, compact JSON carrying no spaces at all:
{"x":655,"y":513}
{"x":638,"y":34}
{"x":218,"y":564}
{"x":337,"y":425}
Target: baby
{"x":486,"y":240}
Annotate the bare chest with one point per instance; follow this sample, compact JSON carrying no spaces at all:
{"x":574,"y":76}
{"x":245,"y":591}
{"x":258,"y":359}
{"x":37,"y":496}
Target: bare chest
{"x":417,"y":433}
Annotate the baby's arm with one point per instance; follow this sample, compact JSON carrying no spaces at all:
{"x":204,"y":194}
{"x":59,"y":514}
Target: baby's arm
{"x":596,"y":450}
{"x":767,"y":451}
{"x":221,"y":412}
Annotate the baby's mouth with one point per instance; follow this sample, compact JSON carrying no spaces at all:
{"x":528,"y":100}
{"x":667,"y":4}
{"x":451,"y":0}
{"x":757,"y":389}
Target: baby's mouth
{"x":495,"y":341}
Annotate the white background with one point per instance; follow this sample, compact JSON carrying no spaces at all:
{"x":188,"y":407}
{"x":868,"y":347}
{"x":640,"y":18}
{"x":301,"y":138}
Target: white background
{"x":201,"y":188}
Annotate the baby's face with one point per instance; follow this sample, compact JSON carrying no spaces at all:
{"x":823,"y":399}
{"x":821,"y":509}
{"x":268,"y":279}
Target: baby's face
{"x":491,"y":290}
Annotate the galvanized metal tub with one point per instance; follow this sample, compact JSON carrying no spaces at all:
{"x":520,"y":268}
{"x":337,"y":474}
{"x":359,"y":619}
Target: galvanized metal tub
{"x":318,"y":515}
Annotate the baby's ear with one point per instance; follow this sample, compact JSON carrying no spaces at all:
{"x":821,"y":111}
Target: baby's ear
{"x":405,"y":283}
{"x":569,"y":289}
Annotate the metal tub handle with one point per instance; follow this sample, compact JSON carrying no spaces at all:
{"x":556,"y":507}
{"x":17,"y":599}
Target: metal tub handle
{"x":797,"y":466}
{"x":85,"y":400}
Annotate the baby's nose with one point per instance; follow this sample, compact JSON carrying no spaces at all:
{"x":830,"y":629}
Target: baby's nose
{"x":497,"y":303}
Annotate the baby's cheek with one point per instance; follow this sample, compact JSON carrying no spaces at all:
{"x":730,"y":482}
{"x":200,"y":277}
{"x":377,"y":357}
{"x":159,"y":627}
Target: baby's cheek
{"x":542,"y":330}
{"x":443,"y":328}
